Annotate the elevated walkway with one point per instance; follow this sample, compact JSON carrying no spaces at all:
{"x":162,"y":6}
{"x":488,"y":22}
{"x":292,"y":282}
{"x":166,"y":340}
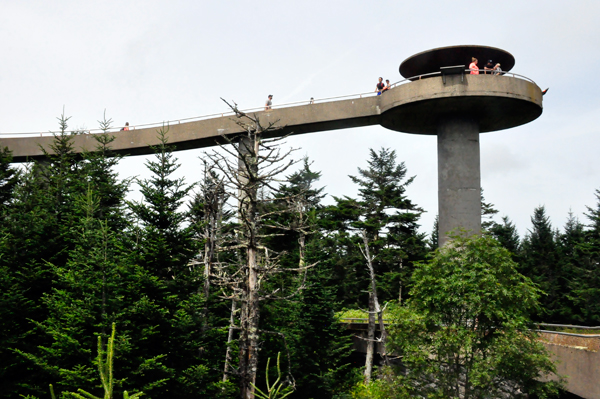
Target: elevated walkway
{"x":414,"y":105}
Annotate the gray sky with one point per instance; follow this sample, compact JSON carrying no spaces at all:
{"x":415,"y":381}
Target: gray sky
{"x":152,"y":61}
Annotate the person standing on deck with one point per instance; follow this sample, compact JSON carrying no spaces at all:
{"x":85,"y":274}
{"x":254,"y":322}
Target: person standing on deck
{"x":269,"y":102}
{"x":473,"y":66}
{"x":380,"y":86}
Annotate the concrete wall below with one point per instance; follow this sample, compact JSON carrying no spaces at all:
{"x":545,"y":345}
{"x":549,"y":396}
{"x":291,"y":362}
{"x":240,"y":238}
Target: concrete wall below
{"x":578,"y":360}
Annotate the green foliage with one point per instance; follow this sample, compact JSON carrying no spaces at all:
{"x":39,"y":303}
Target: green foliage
{"x":105,"y":368}
{"x":581,"y":258}
{"x":390,"y":220}
{"x":506,"y":234}
{"x":467,"y":324}
{"x":277,"y":390}
{"x":168,"y":245}
{"x":541,"y":263}
{"x":9,"y":177}
{"x":318,"y":344}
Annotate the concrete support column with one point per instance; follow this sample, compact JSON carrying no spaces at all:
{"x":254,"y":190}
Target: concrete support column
{"x":459,"y":177}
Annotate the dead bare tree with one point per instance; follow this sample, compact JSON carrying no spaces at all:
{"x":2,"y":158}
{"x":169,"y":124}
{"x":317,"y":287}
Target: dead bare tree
{"x":208,"y":213}
{"x":374,"y":309}
{"x":252,"y":166}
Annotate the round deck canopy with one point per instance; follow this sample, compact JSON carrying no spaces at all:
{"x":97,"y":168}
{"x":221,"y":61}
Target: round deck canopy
{"x":495,"y":102}
{"x":431,"y":60}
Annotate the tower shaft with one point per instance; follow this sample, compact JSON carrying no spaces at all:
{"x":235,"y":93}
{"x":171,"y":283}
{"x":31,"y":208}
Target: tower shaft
{"x":459,"y":177}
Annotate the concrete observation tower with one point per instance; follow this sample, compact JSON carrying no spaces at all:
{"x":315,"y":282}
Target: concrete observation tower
{"x":443,"y":99}
{"x":438,"y":97}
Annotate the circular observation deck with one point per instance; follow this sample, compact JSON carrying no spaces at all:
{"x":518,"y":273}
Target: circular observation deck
{"x":431,"y":61}
{"x":494,"y":102}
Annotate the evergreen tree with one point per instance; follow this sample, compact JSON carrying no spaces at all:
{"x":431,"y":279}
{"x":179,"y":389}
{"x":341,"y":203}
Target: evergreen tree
{"x":435,"y":234}
{"x":12,"y":300}
{"x":390,"y":220}
{"x":99,"y":170}
{"x":167,"y":244}
{"x":585,"y":261}
{"x":318,"y":344}
{"x":487,"y":213}
{"x":541,"y":263}
{"x":36,"y":229}
{"x":9,"y":178}
{"x":96,"y":287}
{"x":165,"y":248}
{"x":507,"y":235}
{"x":569,"y":249}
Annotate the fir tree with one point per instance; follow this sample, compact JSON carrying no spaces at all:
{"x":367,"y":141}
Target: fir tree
{"x":9,"y":178}
{"x":585,"y":260}
{"x":167,"y":244}
{"x":318,"y":343}
{"x":36,"y":232}
{"x":390,"y":220}
{"x":507,"y":235}
{"x":540,"y":262}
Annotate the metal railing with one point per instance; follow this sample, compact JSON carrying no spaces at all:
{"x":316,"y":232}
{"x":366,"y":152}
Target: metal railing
{"x":574,"y":327}
{"x":360,"y":320}
{"x":262,"y":108}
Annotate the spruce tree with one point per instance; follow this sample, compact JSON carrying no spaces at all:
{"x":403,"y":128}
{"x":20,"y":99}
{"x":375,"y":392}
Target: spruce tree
{"x":540,"y":262}
{"x":584,"y":287}
{"x":390,"y":220}
{"x":507,"y":235}
{"x":9,"y":178}
{"x":165,"y":248}
{"x":318,"y":343}
{"x":167,"y":244}
{"x":36,"y":230}
{"x":98,"y":285}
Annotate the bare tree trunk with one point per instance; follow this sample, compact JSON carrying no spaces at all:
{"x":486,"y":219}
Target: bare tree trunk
{"x":370,"y":340}
{"x":400,"y":293}
{"x":208,"y":254}
{"x":248,"y":170}
{"x":253,"y":321}
{"x":377,"y":308}
{"x":229,"y":339}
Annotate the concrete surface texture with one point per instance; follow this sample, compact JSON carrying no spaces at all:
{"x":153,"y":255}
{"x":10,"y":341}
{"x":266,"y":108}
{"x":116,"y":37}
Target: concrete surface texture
{"x":578,"y":360}
{"x":459,"y":180}
{"x":396,"y":109}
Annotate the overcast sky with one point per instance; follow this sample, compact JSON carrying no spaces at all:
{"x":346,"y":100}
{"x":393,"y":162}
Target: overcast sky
{"x":152,"y":61}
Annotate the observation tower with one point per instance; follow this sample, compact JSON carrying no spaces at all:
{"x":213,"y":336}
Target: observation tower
{"x":444,"y":99}
{"x":437,"y":97}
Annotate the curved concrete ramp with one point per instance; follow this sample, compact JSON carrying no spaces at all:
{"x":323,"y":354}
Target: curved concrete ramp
{"x":401,"y":109}
{"x":209,"y":132}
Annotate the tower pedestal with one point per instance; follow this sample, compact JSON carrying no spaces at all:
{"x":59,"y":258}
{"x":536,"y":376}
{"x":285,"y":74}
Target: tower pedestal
{"x":459,"y":177}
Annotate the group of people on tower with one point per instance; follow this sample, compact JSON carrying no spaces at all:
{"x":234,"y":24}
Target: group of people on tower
{"x":489,"y":68}
{"x":381,"y":87}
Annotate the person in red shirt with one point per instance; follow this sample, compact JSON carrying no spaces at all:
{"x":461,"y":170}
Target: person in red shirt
{"x":473,"y":66}
{"x":126,"y":127}
{"x":380,"y":86}
{"x":387,"y":86}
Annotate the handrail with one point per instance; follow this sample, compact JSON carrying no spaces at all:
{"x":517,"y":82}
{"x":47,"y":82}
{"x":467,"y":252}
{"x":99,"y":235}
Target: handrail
{"x":539,"y":324}
{"x":569,"y":326}
{"x":358,"y":318}
{"x":569,"y":334}
{"x":256,"y":109}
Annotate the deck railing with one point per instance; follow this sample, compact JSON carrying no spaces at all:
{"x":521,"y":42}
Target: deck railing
{"x":360,"y":320}
{"x":262,"y":108}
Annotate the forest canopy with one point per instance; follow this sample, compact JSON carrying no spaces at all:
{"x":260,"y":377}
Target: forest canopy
{"x":206,"y":280}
